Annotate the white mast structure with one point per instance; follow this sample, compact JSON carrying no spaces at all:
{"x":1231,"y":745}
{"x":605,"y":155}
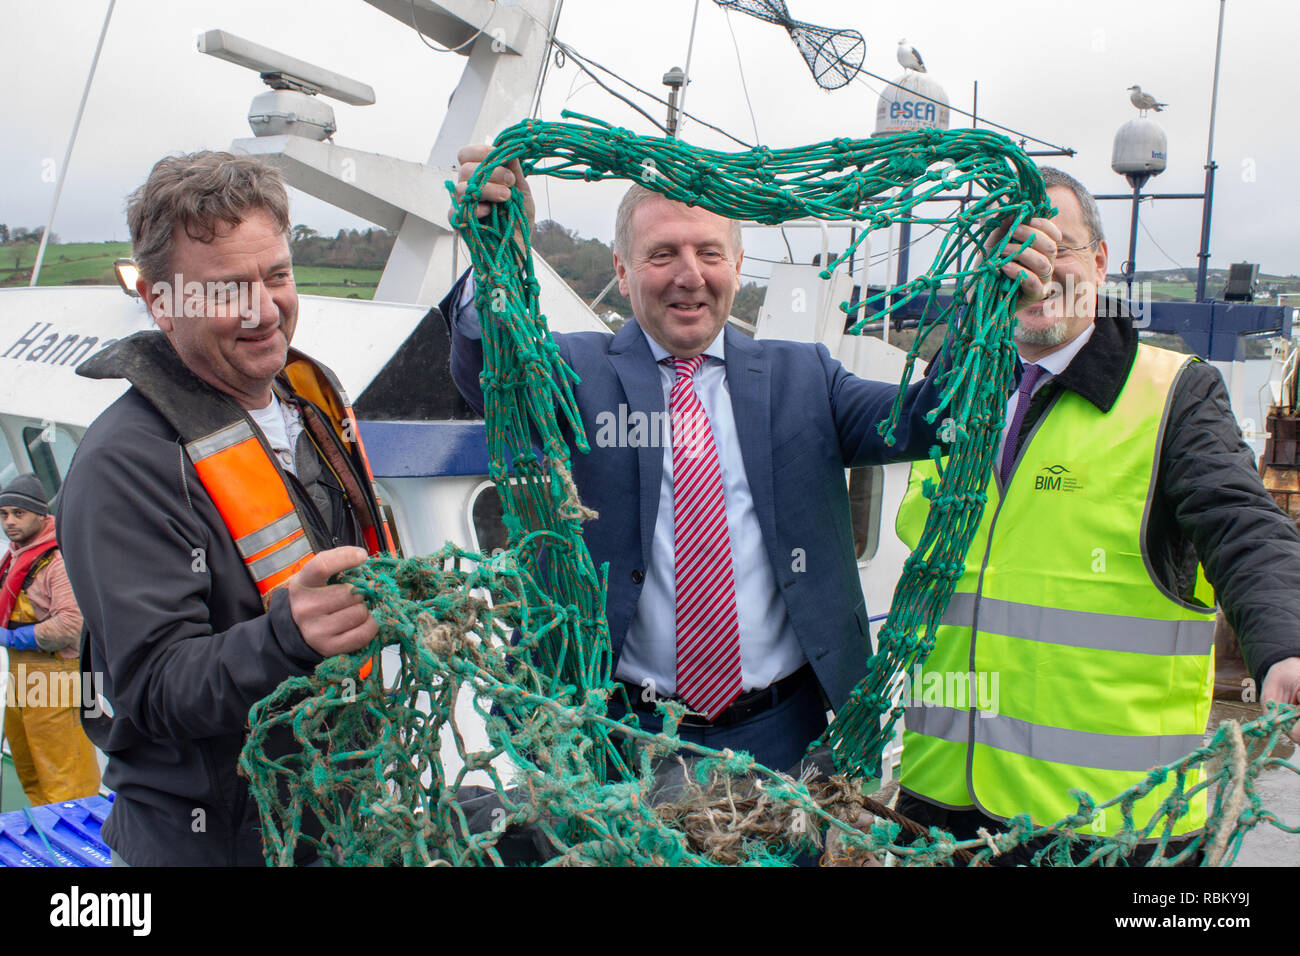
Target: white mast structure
{"x":505,"y":50}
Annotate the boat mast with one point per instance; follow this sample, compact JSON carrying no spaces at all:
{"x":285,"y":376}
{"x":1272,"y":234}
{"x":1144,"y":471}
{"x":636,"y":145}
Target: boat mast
{"x":677,"y":114}
{"x":1204,"y":254}
{"x":72,"y":140}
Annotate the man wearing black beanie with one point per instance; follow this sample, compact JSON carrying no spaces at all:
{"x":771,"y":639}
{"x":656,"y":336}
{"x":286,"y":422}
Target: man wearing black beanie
{"x":41,"y":628}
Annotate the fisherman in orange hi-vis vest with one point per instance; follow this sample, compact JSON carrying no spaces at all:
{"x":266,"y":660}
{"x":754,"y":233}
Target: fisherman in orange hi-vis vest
{"x":207,"y":510}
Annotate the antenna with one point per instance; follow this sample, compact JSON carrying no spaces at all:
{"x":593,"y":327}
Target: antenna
{"x":281,"y":71}
{"x":674,"y":79}
{"x":290,"y":108}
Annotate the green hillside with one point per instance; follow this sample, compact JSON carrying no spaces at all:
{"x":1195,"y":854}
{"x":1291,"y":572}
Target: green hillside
{"x":72,"y":263}
{"x":342,"y":281}
{"x":91,"y":263}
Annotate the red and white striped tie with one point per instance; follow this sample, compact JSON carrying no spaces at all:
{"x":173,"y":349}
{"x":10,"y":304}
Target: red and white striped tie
{"x":708,"y":628}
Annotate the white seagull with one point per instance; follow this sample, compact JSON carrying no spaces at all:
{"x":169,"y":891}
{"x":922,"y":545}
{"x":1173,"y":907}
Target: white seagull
{"x":1144,"y":101}
{"x":909,"y":57}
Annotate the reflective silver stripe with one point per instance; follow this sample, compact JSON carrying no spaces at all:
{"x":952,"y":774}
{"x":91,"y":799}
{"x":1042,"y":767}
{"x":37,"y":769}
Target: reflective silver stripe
{"x":1055,"y":744}
{"x":279,"y":560}
{"x":277,"y":530}
{"x":1080,"y":748}
{"x":946,"y":723}
{"x":220,"y":440}
{"x":1099,"y":632}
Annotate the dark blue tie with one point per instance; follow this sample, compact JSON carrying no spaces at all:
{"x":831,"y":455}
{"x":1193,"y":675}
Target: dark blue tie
{"x":1027,"y":379}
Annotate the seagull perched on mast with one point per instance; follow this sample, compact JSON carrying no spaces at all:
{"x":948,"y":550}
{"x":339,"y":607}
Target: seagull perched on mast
{"x":1144,"y":101}
{"x":909,"y":58}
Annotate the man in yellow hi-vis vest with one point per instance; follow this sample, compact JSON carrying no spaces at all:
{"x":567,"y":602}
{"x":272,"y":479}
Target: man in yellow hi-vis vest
{"x":1077,"y":649}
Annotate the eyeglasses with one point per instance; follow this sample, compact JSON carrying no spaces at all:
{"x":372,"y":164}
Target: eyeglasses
{"x":1066,"y":251}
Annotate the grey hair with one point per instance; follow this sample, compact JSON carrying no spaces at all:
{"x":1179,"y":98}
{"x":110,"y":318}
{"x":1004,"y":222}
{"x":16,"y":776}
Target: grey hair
{"x":634,"y":197}
{"x":1054,"y":177}
{"x":197,"y":191}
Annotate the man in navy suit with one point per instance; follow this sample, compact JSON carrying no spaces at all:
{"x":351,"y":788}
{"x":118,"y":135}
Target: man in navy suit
{"x":785,"y":624}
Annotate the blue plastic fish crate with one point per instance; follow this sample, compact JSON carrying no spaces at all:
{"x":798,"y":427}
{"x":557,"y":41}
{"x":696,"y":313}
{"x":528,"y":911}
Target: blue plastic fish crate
{"x":71,"y":829}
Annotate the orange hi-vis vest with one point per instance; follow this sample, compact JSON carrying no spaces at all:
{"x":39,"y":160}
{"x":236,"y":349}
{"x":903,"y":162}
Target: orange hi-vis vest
{"x":16,"y":577}
{"x":245,"y":482}
{"x":235,"y":463}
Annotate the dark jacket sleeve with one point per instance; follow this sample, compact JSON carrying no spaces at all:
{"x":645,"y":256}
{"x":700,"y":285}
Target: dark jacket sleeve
{"x":183,"y":641}
{"x":466,"y":343}
{"x":860,"y":405}
{"x":1250,"y":550}
{"x":467,"y":347}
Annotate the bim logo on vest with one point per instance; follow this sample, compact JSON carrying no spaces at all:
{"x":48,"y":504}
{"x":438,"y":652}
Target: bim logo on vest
{"x":958,"y":690}
{"x":1056,"y":478}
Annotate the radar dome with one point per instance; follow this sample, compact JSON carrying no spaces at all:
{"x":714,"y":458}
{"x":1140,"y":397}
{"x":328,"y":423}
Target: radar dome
{"x":1140,"y":147}
{"x":914,"y":106}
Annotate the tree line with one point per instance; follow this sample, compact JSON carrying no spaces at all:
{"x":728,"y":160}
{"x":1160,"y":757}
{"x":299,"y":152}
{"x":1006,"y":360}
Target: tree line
{"x":20,"y":234}
{"x":585,"y":264}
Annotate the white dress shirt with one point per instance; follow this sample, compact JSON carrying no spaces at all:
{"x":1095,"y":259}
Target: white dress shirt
{"x":281,"y":425}
{"x":769,"y":649}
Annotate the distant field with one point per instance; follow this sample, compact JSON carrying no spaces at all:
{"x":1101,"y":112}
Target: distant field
{"x":1172,"y":291}
{"x":65,"y":263}
{"x":91,"y":263}
{"x":333,"y":280}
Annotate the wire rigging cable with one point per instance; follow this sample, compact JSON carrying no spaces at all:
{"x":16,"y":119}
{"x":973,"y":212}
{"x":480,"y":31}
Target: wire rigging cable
{"x":460,"y":46}
{"x":585,"y":62}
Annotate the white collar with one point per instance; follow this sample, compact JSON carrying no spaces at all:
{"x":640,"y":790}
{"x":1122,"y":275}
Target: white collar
{"x":715,"y":349}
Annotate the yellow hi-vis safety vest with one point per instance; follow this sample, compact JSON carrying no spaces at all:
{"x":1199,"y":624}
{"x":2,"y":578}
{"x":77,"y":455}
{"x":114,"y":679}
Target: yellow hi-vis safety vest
{"x":1080,"y":669}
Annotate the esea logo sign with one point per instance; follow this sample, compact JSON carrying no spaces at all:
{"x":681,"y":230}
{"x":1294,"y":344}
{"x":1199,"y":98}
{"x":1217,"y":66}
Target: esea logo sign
{"x":1057,"y":477}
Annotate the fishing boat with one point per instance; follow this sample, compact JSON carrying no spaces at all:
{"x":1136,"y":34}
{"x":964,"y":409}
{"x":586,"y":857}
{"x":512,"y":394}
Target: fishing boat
{"x":426,"y":447}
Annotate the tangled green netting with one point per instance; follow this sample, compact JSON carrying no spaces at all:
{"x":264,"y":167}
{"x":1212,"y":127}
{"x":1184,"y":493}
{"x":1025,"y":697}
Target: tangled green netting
{"x":365,"y":762}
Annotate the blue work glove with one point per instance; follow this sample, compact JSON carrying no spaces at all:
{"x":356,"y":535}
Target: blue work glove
{"x":20,"y":638}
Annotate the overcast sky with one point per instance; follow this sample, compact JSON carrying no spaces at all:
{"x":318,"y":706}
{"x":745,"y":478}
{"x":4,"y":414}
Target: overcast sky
{"x":1056,"y":70}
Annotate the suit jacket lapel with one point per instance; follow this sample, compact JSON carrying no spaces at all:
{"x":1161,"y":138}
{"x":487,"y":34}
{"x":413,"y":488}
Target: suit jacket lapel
{"x":639,"y":374}
{"x":749,"y":380}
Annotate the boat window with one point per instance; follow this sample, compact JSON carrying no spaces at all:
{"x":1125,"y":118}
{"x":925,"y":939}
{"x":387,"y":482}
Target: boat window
{"x":49,"y":449}
{"x":866,"y":490}
{"x":489,"y":532}
{"x":8,"y":467}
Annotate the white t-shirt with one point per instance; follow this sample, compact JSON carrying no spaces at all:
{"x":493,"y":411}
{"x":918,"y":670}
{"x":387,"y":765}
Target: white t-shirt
{"x":281,"y":425}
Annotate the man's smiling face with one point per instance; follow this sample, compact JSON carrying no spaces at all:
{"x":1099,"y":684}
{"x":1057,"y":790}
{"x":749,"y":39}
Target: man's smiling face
{"x":237,"y":339}
{"x":1077,"y":275}
{"x":681,"y":274}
